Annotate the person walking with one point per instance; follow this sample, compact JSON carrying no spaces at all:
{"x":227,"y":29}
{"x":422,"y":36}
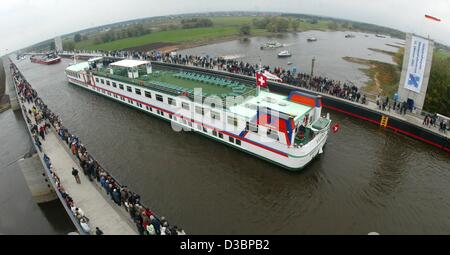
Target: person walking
{"x":98,"y":231}
{"x":75,"y":174}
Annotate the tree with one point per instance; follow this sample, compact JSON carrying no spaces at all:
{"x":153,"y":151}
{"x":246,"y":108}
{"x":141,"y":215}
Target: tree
{"x":282,"y":24}
{"x":261,"y":23}
{"x":295,"y":24}
{"x":69,"y":45}
{"x":332,"y":26}
{"x":244,"y":29}
{"x":438,"y":92}
{"x":77,"y":37}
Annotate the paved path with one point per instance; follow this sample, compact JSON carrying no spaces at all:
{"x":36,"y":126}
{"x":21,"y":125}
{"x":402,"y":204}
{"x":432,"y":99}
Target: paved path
{"x":411,"y":118}
{"x":86,"y":196}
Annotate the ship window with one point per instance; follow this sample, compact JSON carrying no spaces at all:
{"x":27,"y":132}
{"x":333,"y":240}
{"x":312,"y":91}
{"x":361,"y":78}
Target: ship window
{"x":96,"y":79}
{"x":205,"y":130}
{"x":102,"y":81}
{"x":251,"y":127}
{"x":221,"y":135}
{"x":232,"y":120}
{"x":129,"y":89}
{"x":109,"y":94}
{"x":121,"y":86}
{"x":138,"y":91}
{"x":159,"y":97}
{"x":148,"y":94}
{"x":108,"y":83}
{"x":185,"y":105}
{"x":231,"y":139}
{"x":214,"y":132}
{"x":171,"y":101}
{"x":215,"y":115}
{"x":114,"y":85}
{"x":272,"y":134}
{"x":199,"y":110}
{"x":238,"y":142}
{"x":190,"y":124}
{"x":170,"y":116}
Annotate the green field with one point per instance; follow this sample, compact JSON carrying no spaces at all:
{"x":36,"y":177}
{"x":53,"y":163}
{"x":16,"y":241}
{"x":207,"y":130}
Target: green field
{"x":173,"y":36}
{"x":223,"y":28}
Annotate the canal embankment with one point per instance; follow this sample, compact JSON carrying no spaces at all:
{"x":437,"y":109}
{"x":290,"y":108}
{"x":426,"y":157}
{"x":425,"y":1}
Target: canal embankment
{"x":4,"y":99}
{"x":117,"y":211}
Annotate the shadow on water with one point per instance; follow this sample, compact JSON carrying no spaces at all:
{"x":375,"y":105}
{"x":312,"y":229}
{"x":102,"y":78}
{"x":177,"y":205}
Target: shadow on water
{"x":57,"y":217}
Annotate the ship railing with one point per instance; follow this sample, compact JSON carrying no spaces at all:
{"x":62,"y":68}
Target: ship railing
{"x":153,"y":86}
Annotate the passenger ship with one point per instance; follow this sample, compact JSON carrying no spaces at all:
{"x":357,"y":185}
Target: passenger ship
{"x":286,"y":130}
{"x":47,"y":59}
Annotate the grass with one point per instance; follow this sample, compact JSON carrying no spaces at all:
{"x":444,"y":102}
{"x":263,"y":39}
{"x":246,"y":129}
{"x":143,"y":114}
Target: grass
{"x":172,"y":36}
{"x":223,"y":28}
{"x":384,"y":77}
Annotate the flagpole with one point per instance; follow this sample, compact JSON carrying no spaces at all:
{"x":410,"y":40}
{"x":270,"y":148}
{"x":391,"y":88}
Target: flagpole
{"x":258,"y":88}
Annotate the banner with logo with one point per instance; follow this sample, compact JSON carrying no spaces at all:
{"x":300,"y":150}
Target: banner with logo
{"x":416,"y":64}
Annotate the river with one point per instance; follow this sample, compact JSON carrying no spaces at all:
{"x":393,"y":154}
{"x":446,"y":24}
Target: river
{"x":368,"y":179}
{"x":328,"y":50}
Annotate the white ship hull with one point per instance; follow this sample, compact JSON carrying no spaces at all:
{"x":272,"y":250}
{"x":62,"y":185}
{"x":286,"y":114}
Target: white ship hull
{"x":290,"y":157}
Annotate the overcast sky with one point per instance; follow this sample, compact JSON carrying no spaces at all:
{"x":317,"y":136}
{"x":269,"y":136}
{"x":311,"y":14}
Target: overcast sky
{"x":25,"y":22}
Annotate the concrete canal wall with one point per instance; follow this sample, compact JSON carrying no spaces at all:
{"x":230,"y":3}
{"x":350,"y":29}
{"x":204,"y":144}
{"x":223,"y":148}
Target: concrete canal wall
{"x":4,"y":99}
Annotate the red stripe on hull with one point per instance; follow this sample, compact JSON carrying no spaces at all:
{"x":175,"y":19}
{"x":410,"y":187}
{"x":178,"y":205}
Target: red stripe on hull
{"x":196,"y":122}
{"x":393,"y":128}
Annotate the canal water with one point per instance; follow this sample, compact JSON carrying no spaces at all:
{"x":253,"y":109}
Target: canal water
{"x":368,"y":179}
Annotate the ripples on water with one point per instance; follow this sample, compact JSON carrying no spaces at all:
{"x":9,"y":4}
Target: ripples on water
{"x":368,"y":179}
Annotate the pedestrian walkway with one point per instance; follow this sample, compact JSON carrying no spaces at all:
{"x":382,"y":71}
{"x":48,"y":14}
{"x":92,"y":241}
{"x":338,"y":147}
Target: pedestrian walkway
{"x":99,"y":210}
{"x":408,"y":117}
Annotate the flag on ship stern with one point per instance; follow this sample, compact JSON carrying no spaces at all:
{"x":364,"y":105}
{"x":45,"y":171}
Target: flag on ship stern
{"x":335,"y":127}
{"x":261,"y":80}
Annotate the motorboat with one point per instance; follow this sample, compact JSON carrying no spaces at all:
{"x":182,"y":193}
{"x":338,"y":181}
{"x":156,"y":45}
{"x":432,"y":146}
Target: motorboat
{"x":271,"y":45}
{"x":284,"y":53}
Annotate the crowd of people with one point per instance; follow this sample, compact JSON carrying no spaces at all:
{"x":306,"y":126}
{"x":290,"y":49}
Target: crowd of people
{"x":340,"y":89}
{"x":147,"y":223}
{"x":344,"y":90}
{"x":432,"y":120}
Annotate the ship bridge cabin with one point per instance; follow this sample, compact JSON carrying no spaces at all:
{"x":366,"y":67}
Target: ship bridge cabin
{"x":293,"y":120}
{"x":132,"y":69}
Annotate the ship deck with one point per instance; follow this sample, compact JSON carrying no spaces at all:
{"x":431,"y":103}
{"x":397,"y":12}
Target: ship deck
{"x":178,"y":82}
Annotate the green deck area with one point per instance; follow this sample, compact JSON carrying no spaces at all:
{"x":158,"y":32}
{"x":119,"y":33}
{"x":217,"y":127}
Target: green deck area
{"x":182,"y":82}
